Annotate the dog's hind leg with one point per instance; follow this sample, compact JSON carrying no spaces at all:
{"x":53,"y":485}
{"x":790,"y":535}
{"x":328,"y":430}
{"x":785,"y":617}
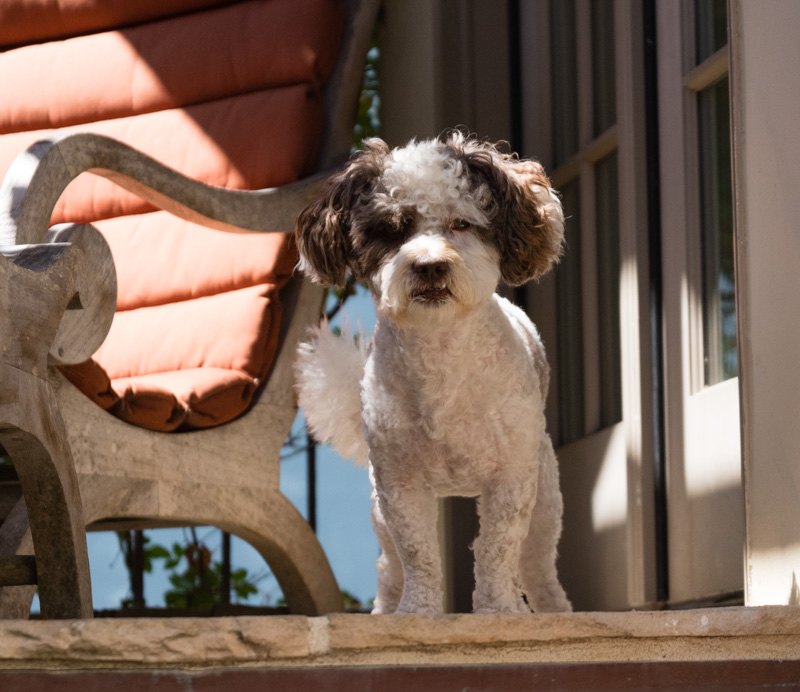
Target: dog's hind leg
{"x":539,"y":549}
{"x":390,"y":569}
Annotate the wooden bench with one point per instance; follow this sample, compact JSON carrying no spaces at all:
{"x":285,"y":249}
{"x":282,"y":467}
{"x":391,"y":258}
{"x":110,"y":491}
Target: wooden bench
{"x":80,"y":467}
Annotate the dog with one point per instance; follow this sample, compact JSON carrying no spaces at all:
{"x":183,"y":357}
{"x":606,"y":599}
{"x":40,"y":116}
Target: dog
{"x":448,"y":398}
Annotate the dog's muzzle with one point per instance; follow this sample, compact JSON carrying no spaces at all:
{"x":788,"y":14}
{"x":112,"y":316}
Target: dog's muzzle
{"x":429,"y":282}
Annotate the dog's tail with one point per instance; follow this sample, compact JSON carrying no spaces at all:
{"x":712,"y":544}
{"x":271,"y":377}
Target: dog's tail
{"x":328,"y":372}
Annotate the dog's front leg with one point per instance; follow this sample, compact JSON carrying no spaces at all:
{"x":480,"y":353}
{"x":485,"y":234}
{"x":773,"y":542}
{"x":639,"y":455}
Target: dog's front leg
{"x":410,"y":513}
{"x":505,"y":511}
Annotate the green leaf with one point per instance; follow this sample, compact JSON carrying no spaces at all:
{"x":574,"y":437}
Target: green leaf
{"x":157,"y":552}
{"x":243,"y":591}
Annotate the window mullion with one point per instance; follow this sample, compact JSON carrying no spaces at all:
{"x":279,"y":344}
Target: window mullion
{"x":591,"y":352}
{"x":707,"y":72}
{"x":694,"y":264}
{"x":588,"y":217}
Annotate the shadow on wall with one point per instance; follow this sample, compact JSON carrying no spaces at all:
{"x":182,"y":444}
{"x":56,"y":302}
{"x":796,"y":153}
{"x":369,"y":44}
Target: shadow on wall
{"x":595,"y":550}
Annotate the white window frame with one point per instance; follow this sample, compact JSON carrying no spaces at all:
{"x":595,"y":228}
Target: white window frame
{"x":705,"y":506}
{"x":766,"y":152}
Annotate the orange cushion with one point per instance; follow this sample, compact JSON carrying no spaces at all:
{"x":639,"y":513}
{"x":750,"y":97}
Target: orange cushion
{"x":178,"y":62}
{"x":196,"y":331}
{"x":229,"y":95}
{"x":162,"y":259}
{"x":27,"y":21}
{"x":203,"y":397}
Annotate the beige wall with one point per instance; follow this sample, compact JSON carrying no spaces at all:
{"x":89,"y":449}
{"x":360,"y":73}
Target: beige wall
{"x":766,"y":102}
{"x":444,"y":63}
{"x":406,"y":71}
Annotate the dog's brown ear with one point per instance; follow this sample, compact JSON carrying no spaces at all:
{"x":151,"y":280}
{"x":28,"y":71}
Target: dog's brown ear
{"x":524,"y":210}
{"x":322,"y":228}
{"x":532,"y":239}
{"x":321,"y":237}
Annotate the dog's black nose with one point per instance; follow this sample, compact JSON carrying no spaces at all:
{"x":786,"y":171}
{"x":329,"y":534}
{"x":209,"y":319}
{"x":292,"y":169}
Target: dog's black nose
{"x":431,"y":272}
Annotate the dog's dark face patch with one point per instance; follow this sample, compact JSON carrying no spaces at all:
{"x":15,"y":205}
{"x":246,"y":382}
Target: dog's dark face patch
{"x":376,"y":233}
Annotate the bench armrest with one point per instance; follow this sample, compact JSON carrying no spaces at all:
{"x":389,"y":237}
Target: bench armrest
{"x":39,"y":175}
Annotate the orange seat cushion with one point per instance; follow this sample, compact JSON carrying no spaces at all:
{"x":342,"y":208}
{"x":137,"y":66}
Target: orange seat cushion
{"x":225,"y":92}
{"x":196,"y":327}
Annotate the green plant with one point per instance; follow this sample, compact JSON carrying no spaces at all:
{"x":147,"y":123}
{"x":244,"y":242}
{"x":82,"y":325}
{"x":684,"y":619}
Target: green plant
{"x":351,"y":603}
{"x":368,"y":119}
{"x":200,"y":584}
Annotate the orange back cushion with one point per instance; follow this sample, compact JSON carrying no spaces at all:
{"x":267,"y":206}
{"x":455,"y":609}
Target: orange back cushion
{"x":225,"y":92}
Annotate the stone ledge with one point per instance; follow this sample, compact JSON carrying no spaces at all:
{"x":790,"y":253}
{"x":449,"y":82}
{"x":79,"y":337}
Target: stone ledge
{"x":749,"y":634}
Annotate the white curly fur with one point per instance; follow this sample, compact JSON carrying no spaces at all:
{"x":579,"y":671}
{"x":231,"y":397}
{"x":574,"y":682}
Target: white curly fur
{"x":449,"y":398}
{"x":328,"y":369}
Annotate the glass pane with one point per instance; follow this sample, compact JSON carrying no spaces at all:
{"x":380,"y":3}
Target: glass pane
{"x":716,"y":226}
{"x":604,"y":92}
{"x":569,"y":324}
{"x":608,"y":290}
{"x":711,"y":27}
{"x":564,"y":79}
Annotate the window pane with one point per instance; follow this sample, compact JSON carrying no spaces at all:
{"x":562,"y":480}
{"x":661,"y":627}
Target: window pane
{"x":711,"y":27}
{"x":564,"y":78}
{"x":716,"y":223}
{"x":608,"y":290}
{"x":569,"y":323}
{"x":604,"y":92}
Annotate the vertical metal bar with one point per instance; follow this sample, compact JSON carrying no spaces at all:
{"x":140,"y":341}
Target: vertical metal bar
{"x":656,"y":300}
{"x":137,"y":568}
{"x":311,"y":480}
{"x":515,"y":92}
{"x":515,"y":76}
{"x":225,"y":586}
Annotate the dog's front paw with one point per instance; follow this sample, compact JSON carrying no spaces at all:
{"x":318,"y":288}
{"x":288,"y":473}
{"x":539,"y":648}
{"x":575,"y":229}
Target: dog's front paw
{"x":510,"y":601}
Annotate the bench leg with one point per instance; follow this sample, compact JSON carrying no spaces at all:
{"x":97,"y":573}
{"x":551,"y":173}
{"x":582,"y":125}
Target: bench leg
{"x":37,"y":443}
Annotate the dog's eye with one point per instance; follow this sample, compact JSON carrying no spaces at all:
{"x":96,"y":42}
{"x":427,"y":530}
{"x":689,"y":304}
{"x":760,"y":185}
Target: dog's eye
{"x":459,"y":225}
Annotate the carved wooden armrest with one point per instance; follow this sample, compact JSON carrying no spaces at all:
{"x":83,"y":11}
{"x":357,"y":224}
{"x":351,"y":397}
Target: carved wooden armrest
{"x":37,"y":178}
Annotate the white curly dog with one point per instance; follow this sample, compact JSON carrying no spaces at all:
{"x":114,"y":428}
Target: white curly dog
{"x":448,"y":398}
